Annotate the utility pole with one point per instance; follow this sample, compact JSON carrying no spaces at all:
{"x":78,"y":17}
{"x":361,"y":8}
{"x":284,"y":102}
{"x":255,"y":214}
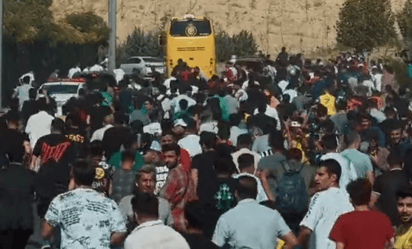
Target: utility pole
{"x":112,"y":40}
{"x":1,"y":53}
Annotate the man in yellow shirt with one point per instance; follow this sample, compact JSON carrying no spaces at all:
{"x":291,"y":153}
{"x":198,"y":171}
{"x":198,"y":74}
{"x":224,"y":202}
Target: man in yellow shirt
{"x":328,"y":100}
{"x":403,"y":238}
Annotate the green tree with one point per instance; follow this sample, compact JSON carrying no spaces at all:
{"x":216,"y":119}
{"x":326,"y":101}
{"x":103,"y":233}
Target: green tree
{"x":223,"y":46}
{"x":139,"y":43}
{"x":93,"y":29}
{"x":404,"y":18}
{"x":26,"y":21}
{"x":240,"y":44}
{"x":365,"y":24}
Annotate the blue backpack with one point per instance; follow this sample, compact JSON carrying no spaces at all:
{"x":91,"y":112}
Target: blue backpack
{"x":291,"y":194}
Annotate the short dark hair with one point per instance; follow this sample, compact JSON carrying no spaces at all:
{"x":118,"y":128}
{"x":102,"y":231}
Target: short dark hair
{"x":223,"y":130}
{"x":171,"y":147}
{"x":360,"y":191}
{"x":128,"y":155}
{"x":276,"y":140}
{"x":183,"y":104}
{"x":245,"y":161}
{"x":244,"y":139}
{"x":145,"y":204}
{"x":83,"y":173}
{"x":294,"y":153}
{"x":193,"y":215}
{"x":42,"y":104}
{"x":57,"y":125}
{"x":247,"y":187}
{"x":208,"y":139}
{"x":329,"y":142}
{"x":224,"y":163}
{"x":351,"y":137}
{"x":96,"y":148}
{"x":235,"y":119}
{"x":332,"y":167}
{"x":404,"y":192}
{"x":394,"y":157}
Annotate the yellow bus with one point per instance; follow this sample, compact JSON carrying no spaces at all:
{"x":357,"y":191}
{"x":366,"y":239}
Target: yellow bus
{"x":191,"y":39}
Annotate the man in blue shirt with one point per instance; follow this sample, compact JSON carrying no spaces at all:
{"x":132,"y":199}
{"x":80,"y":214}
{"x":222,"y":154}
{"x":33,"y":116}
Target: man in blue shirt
{"x":251,"y":225}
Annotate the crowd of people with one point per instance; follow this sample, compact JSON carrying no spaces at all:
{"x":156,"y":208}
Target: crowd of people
{"x":290,"y":153}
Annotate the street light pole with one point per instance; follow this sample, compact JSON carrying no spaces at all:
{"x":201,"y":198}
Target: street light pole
{"x":112,"y":40}
{"x":1,"y":53}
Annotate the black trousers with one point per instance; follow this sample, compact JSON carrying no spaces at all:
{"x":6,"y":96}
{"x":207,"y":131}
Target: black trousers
{"x":14,"y":239}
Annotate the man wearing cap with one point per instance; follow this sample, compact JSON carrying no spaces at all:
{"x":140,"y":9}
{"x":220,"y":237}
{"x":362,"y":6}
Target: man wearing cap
{"x":152,"y":154}
{"x":179,"y":128}
{"x":190,"y":141}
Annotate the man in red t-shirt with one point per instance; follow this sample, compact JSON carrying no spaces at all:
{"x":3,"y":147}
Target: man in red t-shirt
{"x":362,"y":228}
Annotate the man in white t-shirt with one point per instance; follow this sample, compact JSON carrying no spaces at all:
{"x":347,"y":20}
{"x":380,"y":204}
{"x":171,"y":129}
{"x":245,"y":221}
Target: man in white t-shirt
{"x":185,"y":94}
{"x":191,"y":141}
{"x":73,"y":71}
{"x":107,"y":124}
{"x":145,"y":207}
{"x":325,"y":207}
{"x":39,"y":124}
{"x":247,"y":167}
{"x":244,"y":145}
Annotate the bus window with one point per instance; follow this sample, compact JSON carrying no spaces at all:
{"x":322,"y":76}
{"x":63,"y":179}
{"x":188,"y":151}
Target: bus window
{"x":182,"y":28}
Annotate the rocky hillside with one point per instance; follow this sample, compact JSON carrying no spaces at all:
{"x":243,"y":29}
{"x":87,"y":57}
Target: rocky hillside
{"x":300,"y":25}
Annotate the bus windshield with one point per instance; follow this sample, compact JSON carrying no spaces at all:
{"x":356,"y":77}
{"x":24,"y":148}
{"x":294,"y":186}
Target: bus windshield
{"x":190,"y":28}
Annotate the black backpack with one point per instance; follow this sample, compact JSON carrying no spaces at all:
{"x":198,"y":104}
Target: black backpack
{"x":291,"y":194}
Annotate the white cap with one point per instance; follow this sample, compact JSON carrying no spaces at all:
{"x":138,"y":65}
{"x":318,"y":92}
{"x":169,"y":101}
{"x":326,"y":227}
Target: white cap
{"x":180,"y":122}
{"x":155,"y":146}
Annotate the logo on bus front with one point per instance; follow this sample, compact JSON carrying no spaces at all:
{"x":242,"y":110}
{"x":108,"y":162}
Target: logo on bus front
{"x":191,"y":30}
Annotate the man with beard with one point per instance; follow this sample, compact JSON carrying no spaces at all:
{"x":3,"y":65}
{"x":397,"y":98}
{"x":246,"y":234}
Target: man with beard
{"x":403,"y":237}
{"x":179,"y":188}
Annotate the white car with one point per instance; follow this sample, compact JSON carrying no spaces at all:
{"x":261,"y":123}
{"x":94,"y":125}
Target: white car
{"x":143,"y":65}
{"x":61,"y":91}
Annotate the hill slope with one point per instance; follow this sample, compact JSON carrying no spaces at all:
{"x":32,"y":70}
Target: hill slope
{"x":300,"y":25}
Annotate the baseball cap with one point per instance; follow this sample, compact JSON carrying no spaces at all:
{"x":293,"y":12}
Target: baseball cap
{"x":155,"y":146}
{"x":180,"y":122}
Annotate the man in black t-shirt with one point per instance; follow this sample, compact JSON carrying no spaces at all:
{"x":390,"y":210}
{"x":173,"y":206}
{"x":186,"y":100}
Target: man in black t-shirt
{"x":54,"y":147}
{"x":386,"y":186}
{"x":13,"y":140}
{"x":194,"y":234}
{"x":76,"y":135}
